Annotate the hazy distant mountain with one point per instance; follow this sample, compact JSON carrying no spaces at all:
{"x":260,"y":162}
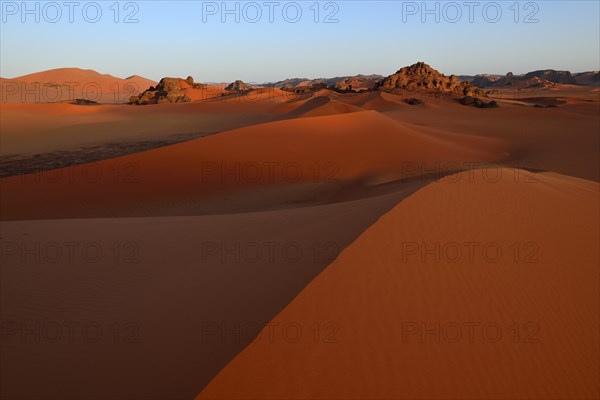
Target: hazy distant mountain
{"x":539,"y":78}
{"x":591,"y":78}
{"x":355,"y":82}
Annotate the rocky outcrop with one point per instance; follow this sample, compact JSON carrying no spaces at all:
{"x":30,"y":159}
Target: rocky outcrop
{"x":477,"y":102}
{"x":80,"y":102}
{"x":421,"y":76}
{"x":238,"y":86}
{"x":168,"y":90}
{"x":413,"y":101}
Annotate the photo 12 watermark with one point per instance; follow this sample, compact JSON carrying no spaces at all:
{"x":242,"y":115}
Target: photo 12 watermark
{"x":269,"y":252}
{"x":224,"y":332}
{"x":470,"y":332}
{"x":453,"y":12}
{"x":253,"y":12}
{"x":469,"y":172}
{"x":53,"y":12}
{"x":14,"y":332}
{"x":268,"y":172}
{"x":470,"y":252}
{"x":34,"y":252}
{"x":83,"y":93}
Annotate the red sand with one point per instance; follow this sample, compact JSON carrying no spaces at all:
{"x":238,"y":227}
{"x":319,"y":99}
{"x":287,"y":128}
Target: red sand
{"x":378,"y":293}
{"x":347,"y":147}
{"x":71,"y":83}
{"x":316,"y":150}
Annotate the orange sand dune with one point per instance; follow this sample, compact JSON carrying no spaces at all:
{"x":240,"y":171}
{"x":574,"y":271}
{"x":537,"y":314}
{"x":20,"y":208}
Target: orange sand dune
{"x":394,"y":318}
{"x":175,"y":180}
{"x":71,"y":83}
{"x":322,"y":105}
{"x":563,"y":139}
{"x":38,"y":128}
{"x":380,"y":101}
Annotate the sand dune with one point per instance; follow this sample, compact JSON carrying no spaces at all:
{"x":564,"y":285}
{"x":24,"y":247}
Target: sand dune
{"x":71,"y":83}
{"x":155,"y":278}
{"x":562,"y":139}
{"x":181,"y":179}
{"x":322,"y":105}
{"x":38,"y":128}
{"x":379,"y":303}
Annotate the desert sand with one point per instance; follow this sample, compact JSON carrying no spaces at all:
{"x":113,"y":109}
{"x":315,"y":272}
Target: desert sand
{"x":386,"y":299}
{"x":64,"y":84}
{"x":174,"y":201}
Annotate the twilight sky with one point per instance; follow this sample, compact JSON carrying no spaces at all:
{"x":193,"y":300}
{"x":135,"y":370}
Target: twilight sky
{"x":272,"y":40}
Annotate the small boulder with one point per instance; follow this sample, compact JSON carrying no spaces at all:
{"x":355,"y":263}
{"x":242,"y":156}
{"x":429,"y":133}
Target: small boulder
{"x":413,"y":101}
{"x":80,"y":102}
{"x":477,"y":102}
{"x":467,"y":100}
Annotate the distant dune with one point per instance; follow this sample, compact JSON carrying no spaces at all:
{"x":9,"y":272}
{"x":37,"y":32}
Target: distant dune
{"x":63,"y":84}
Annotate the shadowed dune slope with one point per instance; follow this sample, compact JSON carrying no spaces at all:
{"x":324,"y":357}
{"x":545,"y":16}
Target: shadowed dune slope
{"x":176,"y":286}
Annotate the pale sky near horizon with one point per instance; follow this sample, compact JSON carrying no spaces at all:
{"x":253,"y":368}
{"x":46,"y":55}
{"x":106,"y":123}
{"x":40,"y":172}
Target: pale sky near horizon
{"x":275,"y":40}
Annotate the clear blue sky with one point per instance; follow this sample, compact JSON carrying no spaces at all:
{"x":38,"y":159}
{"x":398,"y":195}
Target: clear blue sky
{"x":175,"y":38}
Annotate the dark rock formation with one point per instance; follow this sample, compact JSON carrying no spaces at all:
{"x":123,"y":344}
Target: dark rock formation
{"x":168,"y":90}
{"x":413,"y":102}
{"x":422,"y":76}
{"x":237,"y":86}
{"x":467,"y":100}
{"x":81,"y":102}
{"x":477,"y":102}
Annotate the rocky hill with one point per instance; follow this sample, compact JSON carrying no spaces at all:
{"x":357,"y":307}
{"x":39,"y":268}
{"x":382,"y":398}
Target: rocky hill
{"x":238,"y":86}
{"x":422,"y":76}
